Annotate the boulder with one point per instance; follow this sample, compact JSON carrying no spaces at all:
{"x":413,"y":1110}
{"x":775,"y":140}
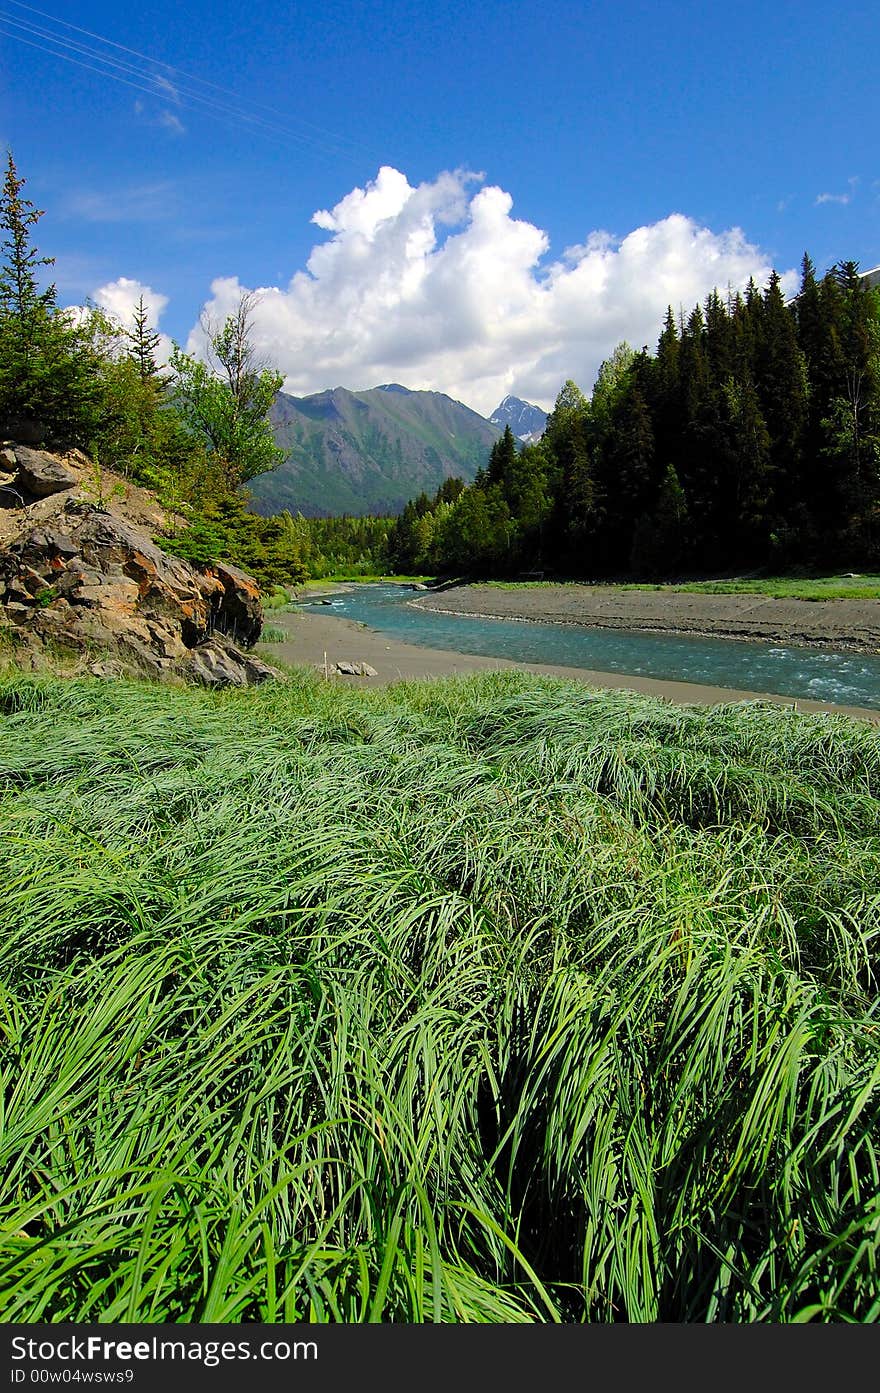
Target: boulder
{"x":41,"y":474}
{"x":347,"y":669}
{"x":218,"y":663}
{"x":86,"y":579}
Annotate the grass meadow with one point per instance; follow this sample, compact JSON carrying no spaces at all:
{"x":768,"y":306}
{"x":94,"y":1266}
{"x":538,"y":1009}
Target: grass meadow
{"x":846,"y":587}
{"x":492,"y":1000}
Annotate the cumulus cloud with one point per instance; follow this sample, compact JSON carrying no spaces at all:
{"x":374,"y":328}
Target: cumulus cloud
{"x":120,"y":298}
{"x":440,"y":286}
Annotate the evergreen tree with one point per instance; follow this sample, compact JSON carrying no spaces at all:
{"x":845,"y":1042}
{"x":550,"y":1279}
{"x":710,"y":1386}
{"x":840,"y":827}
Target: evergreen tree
{"x":659,"y":541}
{"x":720,"y":349}
{"x":143,"y":342}
{"x":579,"y":504}
{"x":449,"y":490}
{"x":20,"y":296}
{"x":701,"y":444}
{"x":571,"y":406}
{"x":627,"y":475}
{"x":502,"y":461}
{"x":48,"y":365}
{"x":746,"y":533}
{"x":852,"y":425}
{"x":781,"y":380}
{"x":662,"y":388}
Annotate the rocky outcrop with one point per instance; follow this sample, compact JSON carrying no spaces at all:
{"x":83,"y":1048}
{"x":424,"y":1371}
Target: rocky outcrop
{"x":218,"y":663}
{"x":40,"y":474}
{"x":236,"y":607}
{"x":81,"y":578}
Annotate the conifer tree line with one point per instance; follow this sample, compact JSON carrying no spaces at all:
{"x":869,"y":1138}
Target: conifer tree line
{"x":750,"y":438}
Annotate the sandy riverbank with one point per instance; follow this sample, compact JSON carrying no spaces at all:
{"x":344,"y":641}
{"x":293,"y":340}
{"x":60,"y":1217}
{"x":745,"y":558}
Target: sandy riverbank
{"x":845,"y":625}
{"x":314,"y":635}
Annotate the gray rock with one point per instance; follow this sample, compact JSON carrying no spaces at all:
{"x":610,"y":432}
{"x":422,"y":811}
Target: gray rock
{"x":106,"y":669}
{"x":355,"y":669}
{"x":218,"y":663}
{"x":41,"y":474}
{"x":64,"y":546}
{"x":18,"y":613}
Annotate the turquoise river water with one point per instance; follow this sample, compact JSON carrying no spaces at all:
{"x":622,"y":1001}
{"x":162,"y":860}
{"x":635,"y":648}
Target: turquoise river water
{"x":847,"y":679}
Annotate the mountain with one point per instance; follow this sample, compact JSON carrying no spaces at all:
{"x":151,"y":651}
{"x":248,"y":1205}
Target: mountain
{"x":526,"y":421}
{"x":368,"y":452}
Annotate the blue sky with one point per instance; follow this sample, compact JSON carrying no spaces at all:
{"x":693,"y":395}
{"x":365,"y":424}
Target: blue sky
{"x":503,"y":191}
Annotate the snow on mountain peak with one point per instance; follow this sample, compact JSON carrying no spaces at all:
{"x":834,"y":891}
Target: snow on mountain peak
{"x":525,"y":420}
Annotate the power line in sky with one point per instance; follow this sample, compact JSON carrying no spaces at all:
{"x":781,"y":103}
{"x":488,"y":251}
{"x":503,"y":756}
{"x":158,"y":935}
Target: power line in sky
{"x":178,"y":87}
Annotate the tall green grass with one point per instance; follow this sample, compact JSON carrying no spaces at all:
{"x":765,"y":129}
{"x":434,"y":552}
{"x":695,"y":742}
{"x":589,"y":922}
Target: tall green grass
{"x":485,"y":1000}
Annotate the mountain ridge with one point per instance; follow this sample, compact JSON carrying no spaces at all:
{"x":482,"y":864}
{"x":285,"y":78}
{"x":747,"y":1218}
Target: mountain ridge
{"x":368,"y":452}
{"x":525,"y":420}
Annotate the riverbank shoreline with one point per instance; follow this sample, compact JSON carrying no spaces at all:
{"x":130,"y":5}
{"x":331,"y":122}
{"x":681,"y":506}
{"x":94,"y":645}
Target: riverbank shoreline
{"x":316,"y":638}
{"x":842,"y":625}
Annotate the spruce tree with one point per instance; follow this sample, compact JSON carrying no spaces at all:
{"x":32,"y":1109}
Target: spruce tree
{"x":628,"y":457}
{"x":701,"y":444}
{"x":24,"y":308}
{"x":664,"y":392}
{"x":502,"y":461}
{"x":853,"y":421}
{"x":20,"y":295}
{"x":781,"y":380}
{"x":143,"y":343}
{"x":579,"y":510}
{"x":49,"y":368}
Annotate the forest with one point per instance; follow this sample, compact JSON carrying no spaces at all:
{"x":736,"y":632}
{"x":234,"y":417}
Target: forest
{"x":750,"y":438}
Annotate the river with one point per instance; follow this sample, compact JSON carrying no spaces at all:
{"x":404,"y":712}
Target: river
{"x":844,"y":678}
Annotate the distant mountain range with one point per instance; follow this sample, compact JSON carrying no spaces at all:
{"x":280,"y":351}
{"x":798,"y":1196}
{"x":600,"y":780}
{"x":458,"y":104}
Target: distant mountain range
{"x":371,"y":452}
{"x":526,"y":421}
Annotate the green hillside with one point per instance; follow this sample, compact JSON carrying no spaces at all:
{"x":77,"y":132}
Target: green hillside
{"x":369,"y":452}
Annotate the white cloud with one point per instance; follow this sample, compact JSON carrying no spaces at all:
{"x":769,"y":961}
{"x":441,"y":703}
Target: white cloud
{"x":166,"y":87}
{"x":119,"y":300}
{"x":171,"y":123}
{"x":842,"y":198}
{"x":440,"y":286}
